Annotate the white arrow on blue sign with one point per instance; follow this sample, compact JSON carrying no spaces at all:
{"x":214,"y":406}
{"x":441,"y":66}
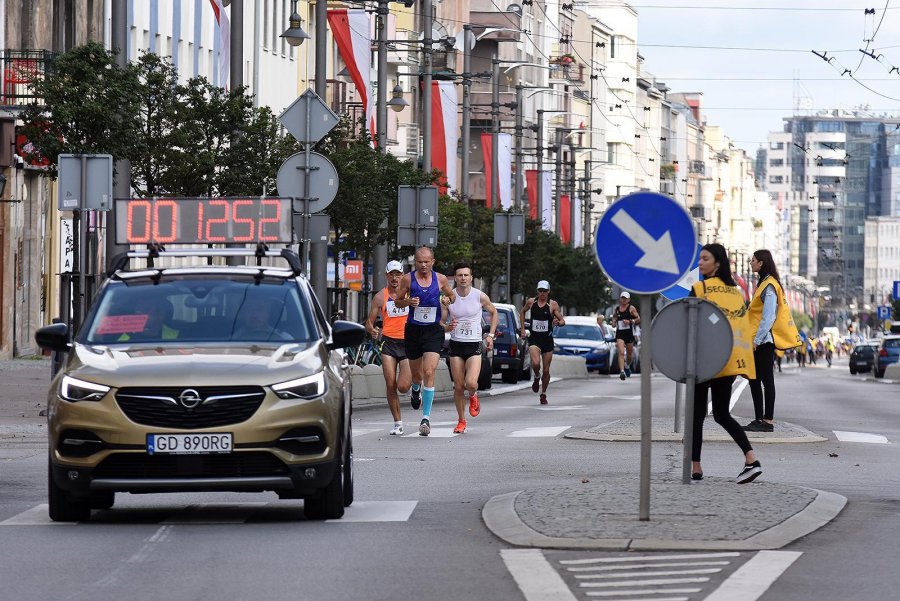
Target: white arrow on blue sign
{"x":646,"y":242}
{"x":684,"y":285}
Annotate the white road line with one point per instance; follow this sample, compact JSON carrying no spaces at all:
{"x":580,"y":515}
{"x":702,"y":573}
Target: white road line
{"x":560,"y":408}
{"x":644,"y":592}
{"x":645,"y":574}
{"x":435,"y":432}
{"x":364,"y":431}
{"x":632,"y":558}
{"x":541,"y":432}
{"x":36,"y":516}
{"x":649,"y":565}
{"x":860,"y":437}
{"x":653,"y":581}
{"x":735,"y":394}
{"x":660,"y":598}
{"x":753,"y":579}
{"x":534,"y":575}
{"x":377,"y":511}
{"x":215,"y":513}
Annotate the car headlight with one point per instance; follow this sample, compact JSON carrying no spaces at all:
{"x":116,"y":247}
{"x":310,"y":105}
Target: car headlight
{"x":557,"y":348}
{"x":307,"y":387}
{"x":75,"y":390}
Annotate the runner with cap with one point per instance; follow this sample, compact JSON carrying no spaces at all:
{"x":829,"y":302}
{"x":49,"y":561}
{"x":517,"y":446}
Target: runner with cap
{"x":625,"y":317}
{"x":424,"y":334}
{"x":542,"y":315}
{"x":391,"y":337}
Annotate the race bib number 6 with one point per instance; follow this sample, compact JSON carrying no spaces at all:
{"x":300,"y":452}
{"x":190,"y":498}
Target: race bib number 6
{"x":425,"y":314}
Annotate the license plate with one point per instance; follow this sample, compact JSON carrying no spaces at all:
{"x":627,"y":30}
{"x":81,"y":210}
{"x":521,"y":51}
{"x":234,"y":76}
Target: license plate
{"x":860,"y":363}
{"x":504,"y":366}
{"x":189,"y":444}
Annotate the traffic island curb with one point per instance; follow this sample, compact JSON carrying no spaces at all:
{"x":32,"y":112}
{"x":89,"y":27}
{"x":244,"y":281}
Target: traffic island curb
{"x":734,"y":517}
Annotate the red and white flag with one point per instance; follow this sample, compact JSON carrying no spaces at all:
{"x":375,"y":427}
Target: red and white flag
{"x":444,"y":132}
{"x":531,"y":182}
{"x":504,"y":165}
{"x":224,"y":42}
{"x":351,"y":29}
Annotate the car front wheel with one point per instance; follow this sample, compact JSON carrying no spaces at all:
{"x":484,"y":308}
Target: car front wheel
{"x":329,"y":503}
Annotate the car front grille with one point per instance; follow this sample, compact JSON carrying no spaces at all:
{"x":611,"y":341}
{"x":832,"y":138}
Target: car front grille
{"x":226,"y":465}
{"x":190,"y":408}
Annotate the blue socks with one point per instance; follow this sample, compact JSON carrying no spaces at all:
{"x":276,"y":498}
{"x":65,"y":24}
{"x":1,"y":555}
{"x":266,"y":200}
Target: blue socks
{"x":427,"y":400}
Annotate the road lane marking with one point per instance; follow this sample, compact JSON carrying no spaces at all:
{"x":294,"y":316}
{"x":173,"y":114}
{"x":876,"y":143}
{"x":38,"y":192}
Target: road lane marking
{"x":641,"y":582}
{"x":643,"y":574}
{"x":534,"y":575}
{"x":753,"y":579}
{"x":649,"y":565}
{"x":860,"y":437}
{"x":560,"y":408}
{"x":541,"y":432}
{"x":364,"y":431}
{"x":646,"y":591}
{"x":36,"y":516}
{"x":633,"y":558}
{"x":377,"y":511}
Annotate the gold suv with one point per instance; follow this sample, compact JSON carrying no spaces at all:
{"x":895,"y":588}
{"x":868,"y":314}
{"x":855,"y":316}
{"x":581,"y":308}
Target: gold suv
{"x":208,"y":378}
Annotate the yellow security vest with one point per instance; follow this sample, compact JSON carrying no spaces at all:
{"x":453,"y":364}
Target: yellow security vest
{"x":730,"y":300}
{"x":784,"y":332}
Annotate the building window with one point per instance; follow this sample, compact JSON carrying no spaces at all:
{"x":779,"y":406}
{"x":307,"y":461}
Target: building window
{"x":611,"y":153}
{"x":776,"y":146}
{"x":612,"y":46}
{"x":776,"y":179}
{"x":776,"y":163}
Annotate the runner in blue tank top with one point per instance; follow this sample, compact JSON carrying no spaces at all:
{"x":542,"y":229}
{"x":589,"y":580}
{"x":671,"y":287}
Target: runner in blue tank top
{"x":424,"y":335}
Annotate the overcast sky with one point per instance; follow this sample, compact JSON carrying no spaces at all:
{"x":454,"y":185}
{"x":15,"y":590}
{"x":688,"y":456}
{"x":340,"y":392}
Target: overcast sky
{"x":746,"y":54}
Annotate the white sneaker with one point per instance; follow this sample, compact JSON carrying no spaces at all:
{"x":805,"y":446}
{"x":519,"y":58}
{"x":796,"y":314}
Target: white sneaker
{"x":397,"y":430}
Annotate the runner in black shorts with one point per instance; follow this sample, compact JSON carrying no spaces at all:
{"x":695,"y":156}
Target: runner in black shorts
{"x":543,"y":315}
{"x":625,"y":318}
{"x":424,"y":334}
{"x":394,"y":366}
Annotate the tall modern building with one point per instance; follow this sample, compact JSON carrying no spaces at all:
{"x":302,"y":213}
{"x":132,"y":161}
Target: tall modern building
{"x":830,"y":172}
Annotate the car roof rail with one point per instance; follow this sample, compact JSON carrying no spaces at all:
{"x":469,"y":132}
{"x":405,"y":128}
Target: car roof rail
{"x":154,"y":251}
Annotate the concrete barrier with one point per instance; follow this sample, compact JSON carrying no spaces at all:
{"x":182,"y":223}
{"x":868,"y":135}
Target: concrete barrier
{"x":892,"y":372}
{"x":375,"y":381}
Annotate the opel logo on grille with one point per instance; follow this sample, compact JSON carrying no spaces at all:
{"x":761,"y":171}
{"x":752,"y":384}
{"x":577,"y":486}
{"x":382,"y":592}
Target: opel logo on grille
{"x":189,"y":398}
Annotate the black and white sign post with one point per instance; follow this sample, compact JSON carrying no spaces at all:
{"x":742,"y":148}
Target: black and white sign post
{"x":417,"y":214}
{"x":309,"y":120}
{"x":85,"y":184}
{"x":691,"y":319}
{"x":645,"y":243}
{"x":509,"y":229}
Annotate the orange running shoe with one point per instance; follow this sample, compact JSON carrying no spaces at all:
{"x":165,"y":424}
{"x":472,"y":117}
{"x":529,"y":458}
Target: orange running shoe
{"x":460,"y":427}
{"x":474,"y":405}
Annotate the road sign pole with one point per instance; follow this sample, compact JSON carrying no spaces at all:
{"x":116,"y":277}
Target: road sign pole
{"x":646,"y":418}
{"x":691,"y":384}
{"x":509,"y":258}
{"x":679,"y":405}
{"x":82,"y":243}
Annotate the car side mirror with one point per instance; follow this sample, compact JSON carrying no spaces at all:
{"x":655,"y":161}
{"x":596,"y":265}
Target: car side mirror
{"x":54,"y":337}
{"x":346,"y":333}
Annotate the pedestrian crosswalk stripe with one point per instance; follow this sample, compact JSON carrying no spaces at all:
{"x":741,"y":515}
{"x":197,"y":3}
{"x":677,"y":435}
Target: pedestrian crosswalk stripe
{"x":559,"y":407}
{"x":231,"y":513}
{"x":364,"y":431}
{"x":639,"y":582}
{"x":659,"y":573}
{"x":633,"y":558}
{"x":860,"y":437}
{"x":647,"y":591}
{"x":642,"y":566}
{"x":753,"y":579}
{"x":542,"y":432}
{"x":534,"y":575}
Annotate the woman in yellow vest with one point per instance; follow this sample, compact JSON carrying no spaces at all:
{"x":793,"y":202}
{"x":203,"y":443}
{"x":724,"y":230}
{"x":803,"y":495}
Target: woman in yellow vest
{"x":719,"y":287}
{"x":773,"y":329}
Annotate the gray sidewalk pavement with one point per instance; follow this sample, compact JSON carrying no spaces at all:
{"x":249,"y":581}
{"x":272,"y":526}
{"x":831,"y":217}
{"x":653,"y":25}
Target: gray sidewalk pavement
{"x":602,"y":514}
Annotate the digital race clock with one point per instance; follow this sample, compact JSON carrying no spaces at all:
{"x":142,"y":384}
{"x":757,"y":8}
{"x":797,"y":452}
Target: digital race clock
{"x":203,"y":220}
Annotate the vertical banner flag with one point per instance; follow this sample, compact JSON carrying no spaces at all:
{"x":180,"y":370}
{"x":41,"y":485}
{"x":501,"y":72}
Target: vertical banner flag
{"x":351,"y":30}
{"x":224,"y":42}
{"x":579,"y":229}
{"x":564,"y":209}
{"x":531,"y":180}
{"x":504,"y":164}
{"x":444,"y":132}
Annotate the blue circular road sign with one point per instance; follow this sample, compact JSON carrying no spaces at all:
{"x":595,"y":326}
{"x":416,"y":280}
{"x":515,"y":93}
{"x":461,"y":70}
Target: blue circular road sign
{"x":646,"y":242}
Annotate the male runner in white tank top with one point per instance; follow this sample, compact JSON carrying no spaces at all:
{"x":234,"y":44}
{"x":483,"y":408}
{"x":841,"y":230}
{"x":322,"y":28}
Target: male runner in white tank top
{"x":466,"y":341}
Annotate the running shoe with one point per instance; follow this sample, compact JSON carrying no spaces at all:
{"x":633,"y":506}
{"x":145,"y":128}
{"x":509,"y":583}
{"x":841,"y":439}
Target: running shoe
{"x":750,"y":472}
{"x":460,"y":427}
{"x":415,"y":398}
{"x":474,"y":405}
{"x":397,"y":430}
{"x":622,"y":375}
{"x":536,"y":384}
{"x":543,"y":399}
{"x":627,"y":372}
{"x":425,"y":427}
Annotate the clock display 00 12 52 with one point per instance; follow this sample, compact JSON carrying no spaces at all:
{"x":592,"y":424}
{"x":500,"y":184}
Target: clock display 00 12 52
{"x":203,"y":220}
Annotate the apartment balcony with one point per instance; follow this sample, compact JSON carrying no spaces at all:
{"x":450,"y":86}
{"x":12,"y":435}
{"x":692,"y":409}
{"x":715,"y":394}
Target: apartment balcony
{"x":698,"y":167}
{"x":571,"y":72}
{"x":18,"y":69}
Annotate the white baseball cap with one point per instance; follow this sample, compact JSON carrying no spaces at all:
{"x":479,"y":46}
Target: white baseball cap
{"x":394,"y":266}
{"x":625,"y":294}
{"x":543,"y":285}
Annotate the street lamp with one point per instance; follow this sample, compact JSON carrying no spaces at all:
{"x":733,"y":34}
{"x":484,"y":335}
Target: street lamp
{"x":294,"y":34}
{"x":397,"y":102}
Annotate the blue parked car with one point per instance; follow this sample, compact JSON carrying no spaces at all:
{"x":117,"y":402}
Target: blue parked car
{"x":582,"y":337}
{"x":888,"y":353}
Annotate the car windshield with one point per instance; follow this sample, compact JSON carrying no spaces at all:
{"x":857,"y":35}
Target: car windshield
{"x":864,"y":350}
{"x":579,"y":332}
{"x":199,"y":310}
